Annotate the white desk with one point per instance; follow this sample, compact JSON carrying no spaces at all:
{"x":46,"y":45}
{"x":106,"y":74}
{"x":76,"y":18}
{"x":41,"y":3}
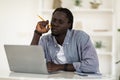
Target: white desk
{"x":57,"y":76}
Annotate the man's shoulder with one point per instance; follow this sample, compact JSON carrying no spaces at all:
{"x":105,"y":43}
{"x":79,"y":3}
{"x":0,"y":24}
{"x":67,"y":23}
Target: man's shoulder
{"x":46,"y":36}
{"x":78,"y":32}
{"x":80,"y":36}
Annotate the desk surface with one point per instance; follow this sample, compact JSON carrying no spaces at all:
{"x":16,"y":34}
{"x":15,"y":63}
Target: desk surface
{"x":59,"y":76}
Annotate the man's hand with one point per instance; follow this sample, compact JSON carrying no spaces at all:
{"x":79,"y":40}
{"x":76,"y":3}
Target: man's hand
{"x":42,"y":27}
{"x":54,"y":67}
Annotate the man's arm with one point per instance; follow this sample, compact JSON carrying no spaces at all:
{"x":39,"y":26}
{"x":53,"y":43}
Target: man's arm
{"x":56,"y":67}
{"x":41,"y":27}
{"x":36,"y":38}
{"x":89,"y":59}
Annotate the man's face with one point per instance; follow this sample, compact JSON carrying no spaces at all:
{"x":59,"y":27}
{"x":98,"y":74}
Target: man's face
{"x":59,"y":23}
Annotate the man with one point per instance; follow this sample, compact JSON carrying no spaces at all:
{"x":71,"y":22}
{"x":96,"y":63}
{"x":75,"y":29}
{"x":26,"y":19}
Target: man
{"x":65,"y":49}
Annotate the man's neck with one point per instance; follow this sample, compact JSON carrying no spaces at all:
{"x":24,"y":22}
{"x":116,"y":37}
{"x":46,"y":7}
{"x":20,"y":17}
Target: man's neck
{"x":60,"y":39}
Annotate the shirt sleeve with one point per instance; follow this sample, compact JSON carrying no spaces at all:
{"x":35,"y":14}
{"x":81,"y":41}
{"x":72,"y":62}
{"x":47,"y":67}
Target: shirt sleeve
{"x":89,"y":59}
{"x":43,"y":42}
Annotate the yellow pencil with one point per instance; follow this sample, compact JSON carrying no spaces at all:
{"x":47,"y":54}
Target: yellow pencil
{"x":43,"y":20}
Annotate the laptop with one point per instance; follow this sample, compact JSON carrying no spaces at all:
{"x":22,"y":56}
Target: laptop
{"x":26,"y":59}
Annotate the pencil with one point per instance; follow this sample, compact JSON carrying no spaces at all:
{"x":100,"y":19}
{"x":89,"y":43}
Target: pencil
{"x":43,"y":20}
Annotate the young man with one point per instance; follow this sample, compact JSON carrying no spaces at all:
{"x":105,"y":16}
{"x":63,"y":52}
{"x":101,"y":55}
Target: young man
{"x":65,"y":49}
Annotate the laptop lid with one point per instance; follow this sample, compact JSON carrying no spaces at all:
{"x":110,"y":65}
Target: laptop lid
{"x":26,"y":59}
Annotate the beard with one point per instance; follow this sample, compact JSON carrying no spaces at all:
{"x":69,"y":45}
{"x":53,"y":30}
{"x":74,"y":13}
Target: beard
{"x":54,"y":34}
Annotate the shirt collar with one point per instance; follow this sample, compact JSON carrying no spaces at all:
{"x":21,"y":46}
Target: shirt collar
{"x":67,"y":37}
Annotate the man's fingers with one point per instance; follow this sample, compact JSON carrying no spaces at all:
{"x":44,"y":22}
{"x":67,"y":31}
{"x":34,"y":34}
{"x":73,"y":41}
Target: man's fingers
{"x":47,"y":28}
{"x":49,"y":66}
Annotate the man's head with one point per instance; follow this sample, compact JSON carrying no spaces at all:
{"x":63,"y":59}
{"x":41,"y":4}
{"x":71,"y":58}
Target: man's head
{"x":62,"y":20}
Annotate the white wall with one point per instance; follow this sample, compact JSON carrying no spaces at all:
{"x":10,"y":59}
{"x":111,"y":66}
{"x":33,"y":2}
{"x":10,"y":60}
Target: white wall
{"x":18,"y":19}
{"x":118,"y":36}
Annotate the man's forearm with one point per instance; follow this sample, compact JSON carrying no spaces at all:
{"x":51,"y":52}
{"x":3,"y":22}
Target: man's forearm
{"x":55,"y":67}
{"x":66,"y":67}
{"x":69,"y":67}
{"x":35,"y":39}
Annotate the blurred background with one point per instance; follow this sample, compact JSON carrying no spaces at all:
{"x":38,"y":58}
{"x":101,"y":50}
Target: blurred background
{"x":99,"y":18}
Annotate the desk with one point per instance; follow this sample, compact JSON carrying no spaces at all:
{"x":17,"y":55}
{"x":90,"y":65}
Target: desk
{"x":58,"y":76}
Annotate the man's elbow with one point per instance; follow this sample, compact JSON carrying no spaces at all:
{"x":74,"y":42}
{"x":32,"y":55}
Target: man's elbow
{"x":90,"y":69}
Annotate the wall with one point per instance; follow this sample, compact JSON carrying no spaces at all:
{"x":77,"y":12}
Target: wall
{"x":17,"y":23}
{"x":118,"y":37}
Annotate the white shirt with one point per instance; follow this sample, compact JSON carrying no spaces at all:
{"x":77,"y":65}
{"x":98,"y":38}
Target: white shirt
{"x":61,"y":59}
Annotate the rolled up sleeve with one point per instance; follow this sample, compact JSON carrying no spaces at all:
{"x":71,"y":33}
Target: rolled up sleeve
{"x":89,"y":59}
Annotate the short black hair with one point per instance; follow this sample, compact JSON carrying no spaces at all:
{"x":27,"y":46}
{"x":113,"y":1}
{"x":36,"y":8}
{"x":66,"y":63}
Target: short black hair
{"x":68,"y":14}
